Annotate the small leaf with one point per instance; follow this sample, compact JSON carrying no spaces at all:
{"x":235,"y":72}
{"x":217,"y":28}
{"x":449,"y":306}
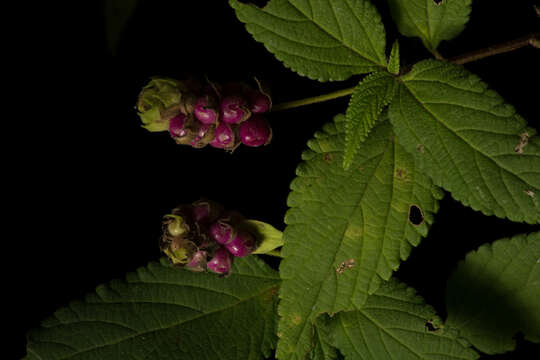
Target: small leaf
{"x":268,"y":237}
{"x":393,"y":62}
{"x":162,"y":312}
{"x":117,"y":16}
{"x":430,"y":20}
{"x":323,"y":40}
{"x":368,"y":100}
{"x":469,"y":140}
{"x":346,"y":230}
{"x":395,"y":323}
{"x":494,"y":293}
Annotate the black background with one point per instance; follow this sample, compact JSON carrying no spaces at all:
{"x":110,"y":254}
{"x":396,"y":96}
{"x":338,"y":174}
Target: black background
{"x":91,"y":185}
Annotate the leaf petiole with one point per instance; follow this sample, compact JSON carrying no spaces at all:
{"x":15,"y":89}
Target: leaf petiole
{"x":531,"y":39}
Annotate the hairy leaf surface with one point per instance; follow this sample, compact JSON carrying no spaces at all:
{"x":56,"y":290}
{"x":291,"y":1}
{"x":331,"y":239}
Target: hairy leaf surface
{"x":431,"y":21}
{"x":367,"y":102}
{"x":161,"y":312}
{"x":469,"y":140}
{"x":395,"y":323}
{"x":321,"y":39}
{"x":347,"y":230}
{"x":495,"y":293}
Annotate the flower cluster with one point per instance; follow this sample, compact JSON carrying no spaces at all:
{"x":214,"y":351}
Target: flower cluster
{"x":203,"y":236}
{"x":197,"y":115}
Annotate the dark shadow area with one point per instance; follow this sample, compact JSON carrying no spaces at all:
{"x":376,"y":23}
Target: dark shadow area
{"x":478,"y":306}
{"x":91,"y":186}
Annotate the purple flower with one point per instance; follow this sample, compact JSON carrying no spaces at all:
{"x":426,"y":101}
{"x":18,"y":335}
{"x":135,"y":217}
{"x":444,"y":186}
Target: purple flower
{"x":221,"y":262}
{"x":222,"y":231}
{"x":259,"y":102}
{"x":255,"y":131}
{"x":242,"y":245}
{"x":234,"y":109}
{"x":205,"y":110}
{"x":177,"y":125}
{"x":224,"y":137}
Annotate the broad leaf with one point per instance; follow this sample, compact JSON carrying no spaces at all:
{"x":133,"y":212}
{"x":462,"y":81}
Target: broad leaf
{"x":162,"y":312}
{"x":395,"y":323}
{"x":367,"y":102}
{"x":320,"y":39}
{"x":394,"y":60}
{"x":495,"y":293}
{"x":117,"y":15}
{"x":347,"y":230}
{"x":469,"y":140}
{"x":429,"y":20}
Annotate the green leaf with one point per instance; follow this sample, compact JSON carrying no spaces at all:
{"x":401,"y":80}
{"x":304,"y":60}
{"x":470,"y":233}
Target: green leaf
{"x":347,"y":230}
{"x":469,"y":140}
{"x":367,"y":102}
{"x":395,"y":323}
{"x":322,"y":349}
{"x":117,"y":16}
{"x":430,"y":21}
{"x":323,"y":40}
{"x":269,"y":238}
{"x":161,"y":312}
{"x":495,"y":293}
{"x":393,"y":61}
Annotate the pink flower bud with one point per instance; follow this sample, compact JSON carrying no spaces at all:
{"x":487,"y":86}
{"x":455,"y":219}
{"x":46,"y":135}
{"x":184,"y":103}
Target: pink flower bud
{"x":255,"y":131}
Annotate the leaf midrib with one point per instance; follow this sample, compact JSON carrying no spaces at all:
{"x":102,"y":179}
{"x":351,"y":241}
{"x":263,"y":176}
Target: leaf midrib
{"x":316,"y":298}
{"x":260,"y":293}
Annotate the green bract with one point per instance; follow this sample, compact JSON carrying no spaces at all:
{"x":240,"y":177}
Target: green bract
{"x":158,"y":102}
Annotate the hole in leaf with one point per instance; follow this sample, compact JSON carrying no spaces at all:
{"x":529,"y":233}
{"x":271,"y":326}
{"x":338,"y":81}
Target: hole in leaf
{"x":430,"y":327}
{"x":416,"y":217}
{"x":347,"y":264}
{"x":438,"y":2}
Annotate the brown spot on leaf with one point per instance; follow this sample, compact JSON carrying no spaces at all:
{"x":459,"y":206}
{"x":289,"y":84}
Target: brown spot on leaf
{"x":529,"y":193}
{"x":402,"y":174}
{"x":523,"y":141}
{"x":416,"y":217}
{"x":347,"y":264}
{"x":328,"y":157}
{"x":420,"y":148}
{"x":296,"y":319}
{"x":432,"y":326}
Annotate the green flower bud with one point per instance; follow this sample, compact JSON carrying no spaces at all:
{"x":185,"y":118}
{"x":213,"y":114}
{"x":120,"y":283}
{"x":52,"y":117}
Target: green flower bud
{"x":158,"y":101}
{"x":180,"y":251}
{"x":176,"y":225}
